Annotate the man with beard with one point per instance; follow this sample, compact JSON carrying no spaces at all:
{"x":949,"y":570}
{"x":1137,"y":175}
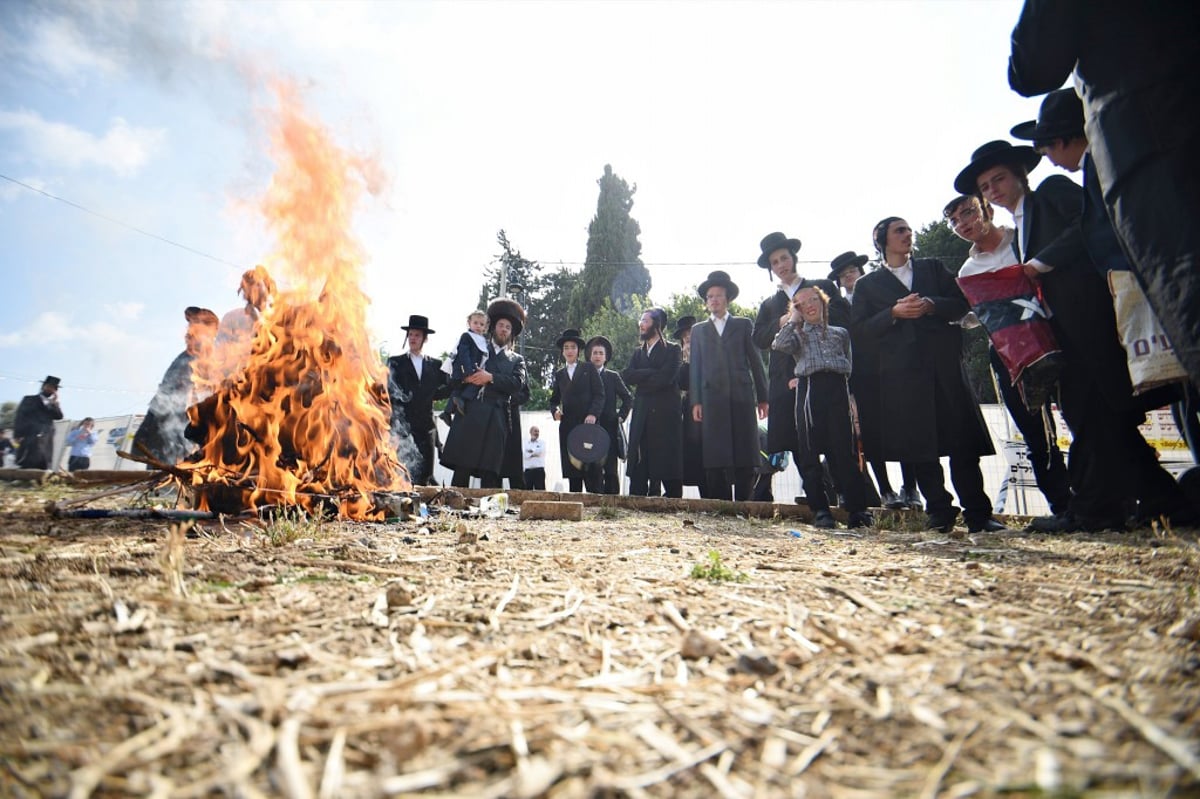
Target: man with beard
{"x":414,"y":381}
{"x":481,"y":437}
{"x":655,"y":445}
{"x":33,"y":426}
{"x":612,"y":416}
{"x":161,"y":434}
{"x":728,"y":388}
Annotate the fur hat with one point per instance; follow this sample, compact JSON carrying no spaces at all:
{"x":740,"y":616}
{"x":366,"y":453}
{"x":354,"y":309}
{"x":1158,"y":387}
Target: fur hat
{"x":506,"y":308}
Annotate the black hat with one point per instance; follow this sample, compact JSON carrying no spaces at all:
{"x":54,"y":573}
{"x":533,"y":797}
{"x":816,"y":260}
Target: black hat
{"x":776,"y":241}
{"x":507,"y":308}
{"x":587,"y":443}
{"x":417,"y":322}
{"x":201,"y":316}
{"x":1061,"y":116}
{"x":570,"y":334}
{"x":683,"y":325}
{"x":719,"y":278}
{"x":994,"y":153}
{"x":845,"y":261}
{"x":52,"y":380}
{"x":603,"y":342}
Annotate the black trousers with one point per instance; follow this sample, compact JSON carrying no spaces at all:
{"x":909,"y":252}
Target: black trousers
{"x":641,"y":486}
{"x":824,"y":427}
{"x":1049,"y":468}
{"x":462,"y":479}
{"x":733,"y":482}
{"x":535,"y":479}
{"x":78,"y":463}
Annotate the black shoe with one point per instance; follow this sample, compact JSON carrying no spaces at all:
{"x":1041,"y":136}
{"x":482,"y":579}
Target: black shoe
{"x":988,"y":525}
{"x":891,"y":500}
{"x":1056,"y":523}
{"x":1071,"y":522}
{"x":942,"y":522}
{"x":911,"y":499}
{"x":859,"y":519}
{"x":824,"y":520}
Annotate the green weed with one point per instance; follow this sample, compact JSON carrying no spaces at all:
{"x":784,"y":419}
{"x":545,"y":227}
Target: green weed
{"x":716,"y":571}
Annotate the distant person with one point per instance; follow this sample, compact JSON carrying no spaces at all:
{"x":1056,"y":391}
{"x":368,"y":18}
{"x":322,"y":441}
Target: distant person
{"x":535,"y":461}
{"x":576,"y":397}
{"x":1134,"y":65}
{"x":8,"y":451}
{"x":81,"y":440}
{"x":655,"y":458}
{"x":729,"y":391}
{"x":908,"y":309}
{"x":33,"y":426}
{"x":415,"y":380}
{"x":845,"y":270}
{"x":617,"y":405}
{"x":824,"y":423}
{"x":162,"y":433}
{"x":482,"y":437}
{"x":470,"y":352}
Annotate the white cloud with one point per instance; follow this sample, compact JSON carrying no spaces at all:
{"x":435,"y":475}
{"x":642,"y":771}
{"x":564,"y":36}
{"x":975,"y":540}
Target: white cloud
{"x":128,"y":311}
{"x":56,"y":44}
{"x":55,"y":327}
{"x":123,"y":148}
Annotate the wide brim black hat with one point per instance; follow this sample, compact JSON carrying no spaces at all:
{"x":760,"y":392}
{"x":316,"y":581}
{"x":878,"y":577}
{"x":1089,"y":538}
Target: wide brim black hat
{"x":570,"y":334}
{"x":1060,"y":117}
{"x":418,"y":322}
{"x":507,"y":308}
{"x":845,"y":261}
{"x":52,"y":380}
{"x":683,"y":325}
{"x":718,"y":278}
{"x":587,"y":443}
{"x":603,"y":342}
{"x":776,"y":241}
{"x":995,"y":153}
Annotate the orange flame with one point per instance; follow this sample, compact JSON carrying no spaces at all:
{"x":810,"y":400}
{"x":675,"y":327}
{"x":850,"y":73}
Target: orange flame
{"x":306,"y":417}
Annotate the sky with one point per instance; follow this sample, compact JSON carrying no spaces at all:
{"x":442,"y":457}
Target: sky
{"x":147,"y":122}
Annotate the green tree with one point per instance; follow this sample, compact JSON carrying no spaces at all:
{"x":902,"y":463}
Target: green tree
{"x":8,"y":413}
{"x":937,"y":240}
{"x":613,"y":269}
{"x":619,"y":328}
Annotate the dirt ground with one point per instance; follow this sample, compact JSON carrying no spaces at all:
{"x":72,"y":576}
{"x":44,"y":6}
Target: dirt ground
{"x":631,"y":654}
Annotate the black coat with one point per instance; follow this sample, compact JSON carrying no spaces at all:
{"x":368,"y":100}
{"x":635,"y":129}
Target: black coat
{"x":163,"y":433}
{"x":33,"y":429}
{"x":693,"y":446}
{"x":781,"y":367}
{"x":728,"y":382}
{"x":926,"y":407}
{"x":655,"y":432}
{"x":613,"y":416}
{"x":412,"y":399}
{"x":576,"y":397}
{"x":479,"y":439}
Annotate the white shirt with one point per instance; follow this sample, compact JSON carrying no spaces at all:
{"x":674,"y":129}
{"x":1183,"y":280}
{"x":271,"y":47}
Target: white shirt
{"x":903,"y":273}
{"x":418,"y":362}
{"x":979,"y":262}
{"x":571,"y":370}
{"x":719,"y":323}
{"x":535,"y":454}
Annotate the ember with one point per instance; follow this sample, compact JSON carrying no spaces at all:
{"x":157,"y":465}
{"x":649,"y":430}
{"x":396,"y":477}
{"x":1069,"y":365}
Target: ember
{"x":305,"y":420}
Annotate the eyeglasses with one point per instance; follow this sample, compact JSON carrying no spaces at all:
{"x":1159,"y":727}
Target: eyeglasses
{"x":969,"y":211}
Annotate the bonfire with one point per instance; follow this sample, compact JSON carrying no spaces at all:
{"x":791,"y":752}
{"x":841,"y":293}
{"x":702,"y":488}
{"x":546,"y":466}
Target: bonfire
{"x":305,"y":420}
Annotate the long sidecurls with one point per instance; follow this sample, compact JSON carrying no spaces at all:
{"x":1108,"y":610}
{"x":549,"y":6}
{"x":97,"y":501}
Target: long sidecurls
{"x":879,"y":235}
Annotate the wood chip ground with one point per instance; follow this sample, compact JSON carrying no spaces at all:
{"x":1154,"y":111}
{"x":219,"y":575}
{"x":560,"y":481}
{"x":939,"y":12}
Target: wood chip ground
{"x":473,"y":657}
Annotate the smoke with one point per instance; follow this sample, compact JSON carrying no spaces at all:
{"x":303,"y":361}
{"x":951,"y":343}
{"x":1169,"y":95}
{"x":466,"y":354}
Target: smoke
{"x":400,"y":435}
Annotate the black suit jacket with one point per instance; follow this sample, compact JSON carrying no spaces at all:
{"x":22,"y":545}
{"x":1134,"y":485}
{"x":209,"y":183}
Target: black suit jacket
{"x":412,"y":398}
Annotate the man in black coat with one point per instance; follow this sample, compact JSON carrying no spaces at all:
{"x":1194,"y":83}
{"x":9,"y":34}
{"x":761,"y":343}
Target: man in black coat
{"x":485,"y":438}
{"x":728,"y":391}
{"x":655,"y":430}
{"x":33,"y":426}
{"x":577,"y":397}
{"x":909,"y":309}
{"x":612,"y":416}
{"x":1135,"y":64}
{"x":415,"y":380}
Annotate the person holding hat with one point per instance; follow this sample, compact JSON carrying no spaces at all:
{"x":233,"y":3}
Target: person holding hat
{"x":33,"y":426}
{"x":693,"y":458}
{"x":415,"y":380}
{"x":162,"y":433}
{"x":908,"y":309}
{"x":612,"y":417}
{"x":655,"y":454}
{"x":576,"y":397}
{"x":485,"y":439}
{"x":728,"y":390}
{"x":778,"y":255}
{"x":1134,"y":66}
